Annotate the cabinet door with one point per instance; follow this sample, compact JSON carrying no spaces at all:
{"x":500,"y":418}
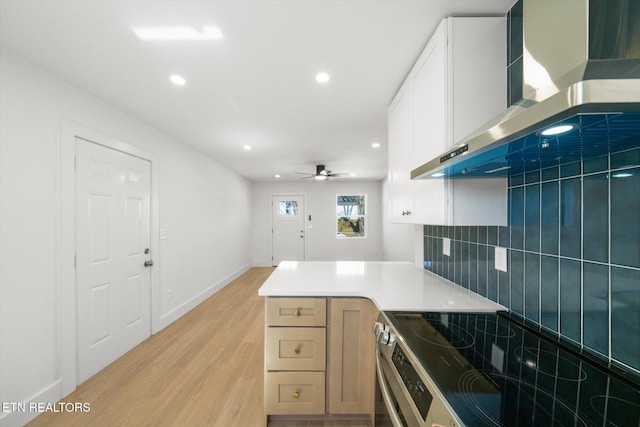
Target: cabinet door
{"x":351,"y":367}
{"x":430,"y":120}
{"x":400,"y":152}
{"x":478,"y":77}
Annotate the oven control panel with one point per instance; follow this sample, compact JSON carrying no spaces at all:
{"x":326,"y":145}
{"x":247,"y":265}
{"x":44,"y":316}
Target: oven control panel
{"x":414,"y":385}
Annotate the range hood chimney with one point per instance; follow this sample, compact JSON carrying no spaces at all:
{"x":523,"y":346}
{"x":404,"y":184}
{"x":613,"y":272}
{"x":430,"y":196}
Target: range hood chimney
{"x":574,"y":63}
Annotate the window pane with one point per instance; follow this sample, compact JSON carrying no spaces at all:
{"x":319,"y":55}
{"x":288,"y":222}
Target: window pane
{"x":350,"y":213}
{"x":351,"y":228}
{"x":350,"y":206}
{"x":289,"y":208}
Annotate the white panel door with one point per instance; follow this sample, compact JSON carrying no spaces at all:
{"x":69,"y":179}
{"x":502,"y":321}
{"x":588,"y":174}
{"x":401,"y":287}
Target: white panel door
{"x":288,"y":228}
{"x":113,"y":284}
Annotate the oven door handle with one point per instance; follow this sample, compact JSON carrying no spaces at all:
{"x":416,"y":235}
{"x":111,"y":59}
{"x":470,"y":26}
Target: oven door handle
{"x":386,"y":395}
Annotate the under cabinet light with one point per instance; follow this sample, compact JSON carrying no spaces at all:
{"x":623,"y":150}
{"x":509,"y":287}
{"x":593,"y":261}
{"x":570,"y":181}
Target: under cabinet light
{"x":503,"y":168}
{"x":621,"y":175}
{"x":557,"y":130}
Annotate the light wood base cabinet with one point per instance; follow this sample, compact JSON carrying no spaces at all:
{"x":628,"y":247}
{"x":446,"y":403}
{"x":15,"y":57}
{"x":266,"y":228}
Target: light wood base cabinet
{"x":319,"y":357}
{"x":351,"y":363}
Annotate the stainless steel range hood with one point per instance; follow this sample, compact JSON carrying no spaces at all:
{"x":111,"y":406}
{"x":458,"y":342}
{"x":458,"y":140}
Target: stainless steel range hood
{"x":579,"y":66}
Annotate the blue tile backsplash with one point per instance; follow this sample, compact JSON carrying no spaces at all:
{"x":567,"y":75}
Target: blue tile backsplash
{"x":573,"y":249}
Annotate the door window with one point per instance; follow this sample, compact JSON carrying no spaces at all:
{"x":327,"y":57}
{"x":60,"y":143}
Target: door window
{"x":288,"y":208}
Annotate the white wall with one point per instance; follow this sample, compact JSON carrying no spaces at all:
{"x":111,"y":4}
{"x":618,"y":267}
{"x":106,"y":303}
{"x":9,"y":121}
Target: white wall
{"x":320,"y":199}
{"x":201,"y":254}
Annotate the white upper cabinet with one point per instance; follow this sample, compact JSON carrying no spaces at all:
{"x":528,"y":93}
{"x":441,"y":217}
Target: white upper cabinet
{"x":457,"y":84}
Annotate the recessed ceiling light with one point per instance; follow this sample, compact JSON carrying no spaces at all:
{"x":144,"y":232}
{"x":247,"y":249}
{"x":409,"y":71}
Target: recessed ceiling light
{"x":178,"y":33}
{"x":323,"y":77}
{"x":277,"y":175}
{"x":376,"y":145}
{"x":246,"y":147}
{"x":353,"y":175}
{"x":557,"y":130}
{"x":177,"y":80}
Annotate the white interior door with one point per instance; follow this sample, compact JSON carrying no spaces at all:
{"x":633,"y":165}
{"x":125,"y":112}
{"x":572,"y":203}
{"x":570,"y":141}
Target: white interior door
{"x":288,"y":228}
{"x":113,"y":284}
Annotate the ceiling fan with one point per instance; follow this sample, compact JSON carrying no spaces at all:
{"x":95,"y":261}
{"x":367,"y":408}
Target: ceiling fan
{"x":321,"y":174}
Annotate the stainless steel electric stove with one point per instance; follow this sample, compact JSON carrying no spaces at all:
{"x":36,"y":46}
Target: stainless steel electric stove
{"x":493,"y":371}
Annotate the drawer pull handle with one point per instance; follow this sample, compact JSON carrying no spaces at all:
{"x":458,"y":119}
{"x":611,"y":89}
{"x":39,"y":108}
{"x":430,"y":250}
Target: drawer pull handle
{"x":296,"y":395}
{"x":297,"y":350}
{"x":297,"y":313}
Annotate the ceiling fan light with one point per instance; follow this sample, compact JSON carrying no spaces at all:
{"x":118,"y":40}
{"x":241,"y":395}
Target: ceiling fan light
{"x":321,"y":177}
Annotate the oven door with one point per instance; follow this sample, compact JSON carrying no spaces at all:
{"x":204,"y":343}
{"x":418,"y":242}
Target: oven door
{"x":390,"y":405}
{"x":386,"y":413}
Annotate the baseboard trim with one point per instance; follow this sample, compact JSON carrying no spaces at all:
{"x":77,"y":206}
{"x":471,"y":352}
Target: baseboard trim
{"x":23,"y":412}
{"x":262,"y":264}
{"x":181,"y":310}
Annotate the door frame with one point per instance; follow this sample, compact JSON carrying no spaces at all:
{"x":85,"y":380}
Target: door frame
{"x":66,"y":313}
{"x":304,"y":221}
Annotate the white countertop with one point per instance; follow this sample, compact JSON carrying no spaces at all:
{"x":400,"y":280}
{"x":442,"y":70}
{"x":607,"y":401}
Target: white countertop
{"x":399,"y":286}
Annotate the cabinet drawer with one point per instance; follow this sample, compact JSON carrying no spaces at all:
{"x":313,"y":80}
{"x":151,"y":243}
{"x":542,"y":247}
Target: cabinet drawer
{"x":294,"y":393}
{"x":296,"y":349}
{"x":296,"y":311}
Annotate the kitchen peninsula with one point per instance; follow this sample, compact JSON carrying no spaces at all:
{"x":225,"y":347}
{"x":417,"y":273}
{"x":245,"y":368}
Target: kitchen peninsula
{"x":319,"y":348}
{"x":389,"y":285}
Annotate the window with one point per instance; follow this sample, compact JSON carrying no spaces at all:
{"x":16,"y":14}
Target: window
{"x":350,"y":213}
{"x":288,"y":208}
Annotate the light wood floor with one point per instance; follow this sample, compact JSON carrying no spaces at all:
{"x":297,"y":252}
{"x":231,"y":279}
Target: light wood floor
{"x":205,"y":369}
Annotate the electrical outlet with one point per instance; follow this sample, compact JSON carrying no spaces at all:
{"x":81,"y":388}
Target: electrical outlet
{"x":169,"y":294}
{"x":446,"y":246}
{"x":501,"y":259}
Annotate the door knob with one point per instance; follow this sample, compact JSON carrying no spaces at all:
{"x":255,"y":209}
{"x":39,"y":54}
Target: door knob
{"x":148,"y":263}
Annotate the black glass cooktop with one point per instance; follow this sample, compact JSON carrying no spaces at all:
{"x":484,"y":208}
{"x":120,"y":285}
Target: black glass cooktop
{"x":494,"y":372}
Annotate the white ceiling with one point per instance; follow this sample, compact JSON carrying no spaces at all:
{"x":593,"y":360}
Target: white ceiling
{"x":257,"y":86}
